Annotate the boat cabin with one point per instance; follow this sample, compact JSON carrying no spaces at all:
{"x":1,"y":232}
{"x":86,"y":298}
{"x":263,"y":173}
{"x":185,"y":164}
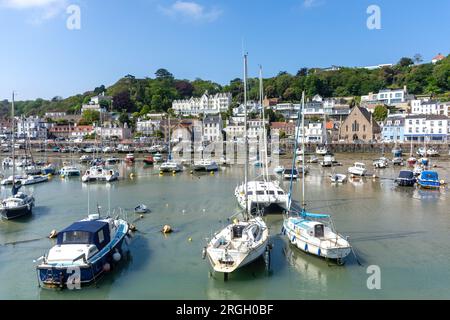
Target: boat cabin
{"x":86,"y":232}
{"x":429,"y":176}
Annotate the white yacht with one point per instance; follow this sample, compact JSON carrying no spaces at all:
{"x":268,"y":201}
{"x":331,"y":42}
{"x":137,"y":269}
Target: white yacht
{"x":237,"y":245}
{"x":10,"y":179}
{"x":315,"y":237}
{"x":241,"y":242}
{"x":358,"y":169}
{"x":381,"y":163}
{"x":338,"y":178}
{"x":100,"y":173}
{"x":170,"y":166}
{"x":206,"y":165}
{"x":69,"y":171}
{"x":309,"y":235}
{"x":7,"y":162}
{"x":262,"y":195}
{"x":321,"y":151}
{"x":328,"y":160}
{"x":34,"y":179}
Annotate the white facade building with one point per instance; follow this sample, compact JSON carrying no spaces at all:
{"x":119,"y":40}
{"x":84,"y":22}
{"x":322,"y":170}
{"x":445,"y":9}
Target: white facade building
{"x":430,"y":107}
{"x":31,"y":127}
{"x":148,"y":127}
{"x":426,"y":127}
{"x":388,"y":97}
{"x":206,"y":104}
{"x":212,"y":128}
{"x":314,"y":133}
{"x":114,"y":131}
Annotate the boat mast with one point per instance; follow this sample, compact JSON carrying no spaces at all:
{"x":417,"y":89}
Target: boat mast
{"x":303,"y":152}
{"x":13,"y":143}
{"x":265,"y":160}
{"x":245,"y":137}
{"x":170,"y":154}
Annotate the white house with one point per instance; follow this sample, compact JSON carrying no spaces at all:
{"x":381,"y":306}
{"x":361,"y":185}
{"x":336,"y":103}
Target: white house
{"x":114,"y":131}
{"x":94,"y":104}
{"x":390,"y":97}
{"x":206,"y":104}
{"x":212,"y":128}
{"x":148,"y":126}
{"x":422,"y":127}
{"x":438,"y":58}
{"x":252,"y":106}
{"x":430,"y":107}
{"x":31,"y":127}
{"x":314,"y":133}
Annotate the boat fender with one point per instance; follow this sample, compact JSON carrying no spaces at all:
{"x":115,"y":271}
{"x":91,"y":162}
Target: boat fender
{"x":117,"y":256}
{"x":306,"y":247}
{"x":53,"y":234}
{"x":166,"y":229}
{"x":319,"y":252}
{"x":107,"y":267}
{"x":442,"y":182}
{"x":132,"y":227}
{"x":204,"y":253}
{"x":131,"y":175}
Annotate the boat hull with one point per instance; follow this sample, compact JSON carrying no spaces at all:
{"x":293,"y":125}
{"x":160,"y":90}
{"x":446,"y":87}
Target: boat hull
{"x":405,"y":182}
{"x":306,"y":246}
{"x":15,"y":213}
{"x":57,"y":276}
{"x":251,"y":256}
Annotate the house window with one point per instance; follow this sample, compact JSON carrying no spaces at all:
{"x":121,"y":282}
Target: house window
{"x":364,"y":128}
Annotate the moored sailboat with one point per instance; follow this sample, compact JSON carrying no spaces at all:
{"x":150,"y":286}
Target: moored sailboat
{"x":241,"y":242}
{"x":314,"y":233}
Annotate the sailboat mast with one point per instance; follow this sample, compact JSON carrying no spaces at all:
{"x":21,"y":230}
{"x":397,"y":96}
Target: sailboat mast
{"x":303,"y":150}
{"x":261,"y":92}
{"x":245,"y":136}
{"x":170,"y":154}
{"x":13,"y":141}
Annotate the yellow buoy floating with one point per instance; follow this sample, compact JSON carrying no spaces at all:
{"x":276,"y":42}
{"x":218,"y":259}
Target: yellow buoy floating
{"x":53,"y":234}
{"x":131,"y":175}
{"x":166,"y":229}
{"x":190,"y":239}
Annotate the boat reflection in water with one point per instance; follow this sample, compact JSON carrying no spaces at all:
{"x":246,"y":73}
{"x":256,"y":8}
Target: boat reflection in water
{"x":429,"y":195}
{"x":309,"y":267}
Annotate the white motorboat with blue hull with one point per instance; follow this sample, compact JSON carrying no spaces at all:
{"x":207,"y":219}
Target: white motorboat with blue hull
{"x":91,"y":246}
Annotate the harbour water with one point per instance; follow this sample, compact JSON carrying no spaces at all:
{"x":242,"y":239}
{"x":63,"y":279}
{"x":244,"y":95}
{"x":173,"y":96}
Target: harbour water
{"x":404,"y":231}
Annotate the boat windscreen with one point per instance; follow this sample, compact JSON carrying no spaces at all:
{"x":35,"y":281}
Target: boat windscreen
{"x":75,"y":237}
{"x":315,"y":215}
{"x":406,"y":174}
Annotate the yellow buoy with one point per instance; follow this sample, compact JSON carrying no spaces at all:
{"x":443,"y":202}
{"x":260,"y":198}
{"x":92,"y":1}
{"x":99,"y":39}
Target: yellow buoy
{"x":235,"y":221}
{"x":53,"y":234}
{"x":131,"y":175}
{"x":166,"y":229}
{"x":190,"y":239}
{"x":211,"y":173}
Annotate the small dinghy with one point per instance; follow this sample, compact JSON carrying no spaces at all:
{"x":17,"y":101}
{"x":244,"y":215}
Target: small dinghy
{"x":338,"y":178}
{"x":142,"y":208}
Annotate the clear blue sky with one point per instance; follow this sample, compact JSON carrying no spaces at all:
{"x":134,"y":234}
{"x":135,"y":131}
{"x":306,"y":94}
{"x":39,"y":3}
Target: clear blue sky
{"x":40,"y":57}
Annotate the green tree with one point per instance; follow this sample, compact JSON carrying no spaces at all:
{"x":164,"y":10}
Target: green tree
{"x":380,"y":113}
{"x":163,"y":74}
{"x":405,"y":62}
{"x":89,"y":117}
